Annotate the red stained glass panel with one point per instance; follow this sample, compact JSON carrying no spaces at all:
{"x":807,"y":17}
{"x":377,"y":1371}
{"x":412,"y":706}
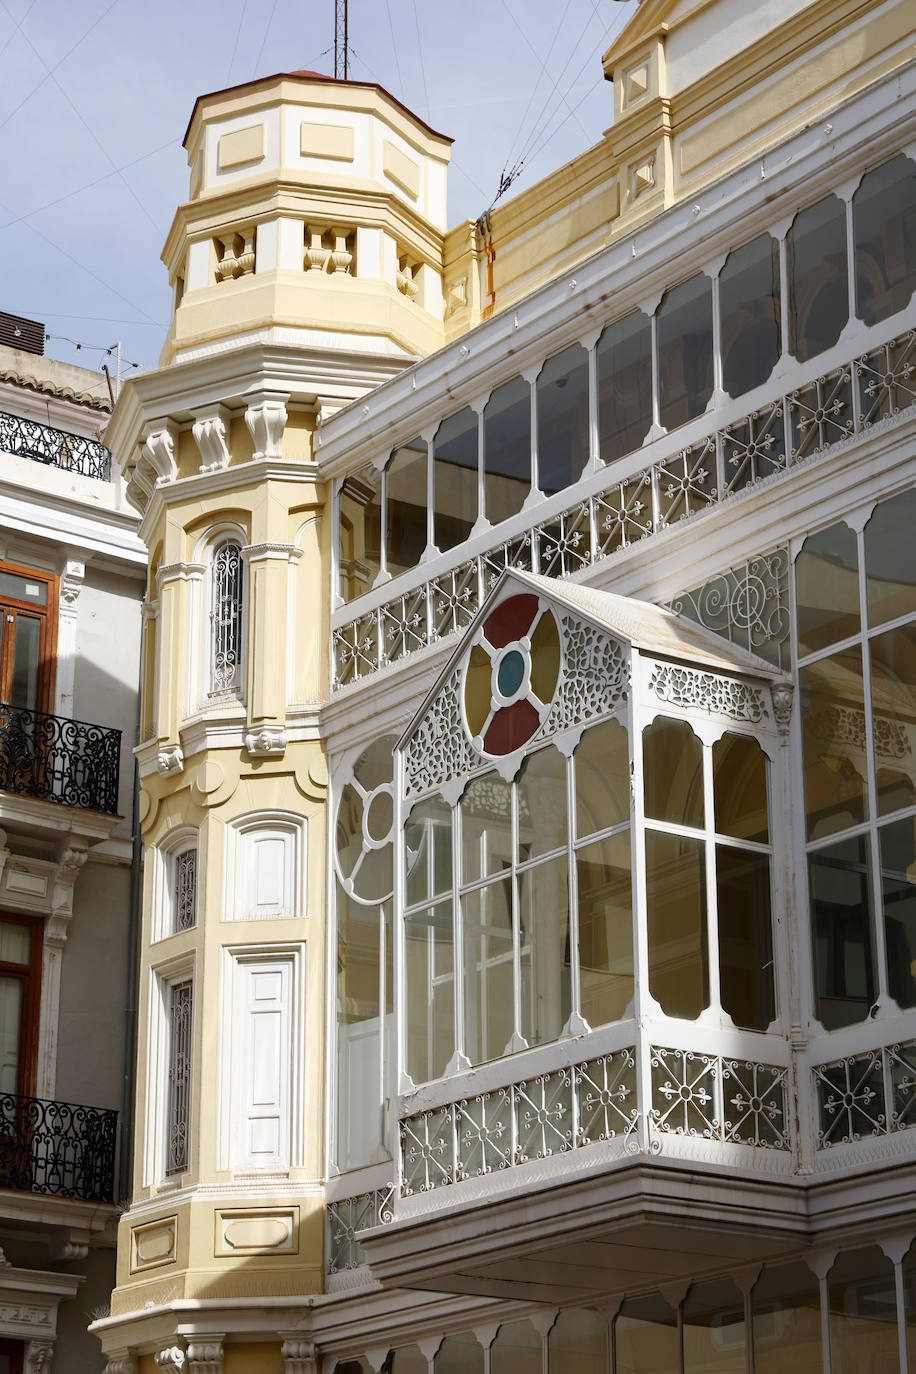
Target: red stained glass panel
{"x":510,"y":620}
{"x":510,"y":728}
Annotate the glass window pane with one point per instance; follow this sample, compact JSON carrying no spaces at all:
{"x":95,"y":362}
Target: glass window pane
{"x":909,"y":1287}
{"x":863,"y":1313}
{"x":430,"y":953}
{"x":24,"y":686}
{"x":428,"y":850}
{"x":455,"y":479}
{"x":818,"y":286}
{"x":713,"y":1316}
{"x":890,"y":559}
{"x":739,"y":771}
{"x":646,"y":1339}
{"x":360,"y":531}
{"x":10,"y":1020}
{"x":673,"y":772}
{"x":787,"y":1321}
{"x":841,"y":916}
{"x":898,"y":895}
{"x":488,"y":971}
{"x":602,"y":770}
{"x":833,"y":740}
{"x":577,"y":1343}
{"x":684,"y":330}
{"x":749,"y":311}
{"x":410,"y":1360}
{"x":893,"y":689}
{"x":542,"y":808}
{"x":15,"y":942}
{"x":745,"y":937}
{"x":360,"y":1366}
{"x":405,"y":509}
{"x":486,"y":829}
{"x":884,"y":224}
{"x":827,"y":589}
{"x":516,"y":1350}
{"x":360,"y":1018}
{"x":562,"y":407}
{"x":546,"y":990}
{"x":605,"y":928}
{"x":461,"y":1354}
{"x":23,"y":588}
{"x":507,"y":450}
{"x":624,"y":386}
{"x":676,"y":921}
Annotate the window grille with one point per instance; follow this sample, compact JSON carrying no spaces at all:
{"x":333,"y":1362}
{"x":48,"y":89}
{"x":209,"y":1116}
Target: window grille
{"x":226,"y":620}
{"x":179,"y":1088}
{"x":184,"y":893}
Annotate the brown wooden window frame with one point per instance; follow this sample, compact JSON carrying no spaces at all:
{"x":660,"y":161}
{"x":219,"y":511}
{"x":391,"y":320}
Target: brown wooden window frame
{"x":47,"y":652}
{"x":30,"y":977}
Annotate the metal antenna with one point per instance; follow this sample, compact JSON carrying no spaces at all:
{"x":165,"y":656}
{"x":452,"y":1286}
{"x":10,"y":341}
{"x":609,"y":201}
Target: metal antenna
{"x":341,"y":41}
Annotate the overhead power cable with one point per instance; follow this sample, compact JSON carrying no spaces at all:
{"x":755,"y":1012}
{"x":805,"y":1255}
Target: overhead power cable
{"x":416,"y":20}
{"x":235,"y":46}
{"x":59,"y":63}
{"x":270,"y":20}
{"x":534,"y":89}
{"x":394,"y":49}
{"x":17,"y":25}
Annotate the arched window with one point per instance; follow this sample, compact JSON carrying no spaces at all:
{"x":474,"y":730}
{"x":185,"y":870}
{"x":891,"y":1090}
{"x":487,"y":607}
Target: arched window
{"x":227,"y":596}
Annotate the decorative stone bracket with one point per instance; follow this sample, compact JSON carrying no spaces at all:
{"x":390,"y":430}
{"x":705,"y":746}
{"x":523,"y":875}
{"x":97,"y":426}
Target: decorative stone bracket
{"x":299,"y":1356}
{"x":121,"y":1362}
{"x":266,"y":420}
{"x":206,"y":1357}
{"x":170,"y":760}
{"x":783,"y":693}
{"x":69,"y":868}
{"x":267,"y":741}
{"x":171,"y":1359}
{"x":211,"y":436}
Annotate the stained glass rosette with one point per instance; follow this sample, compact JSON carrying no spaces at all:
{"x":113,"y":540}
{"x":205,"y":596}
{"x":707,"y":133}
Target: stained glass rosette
{"x":365,"y":825}
{"x":511,"y":675}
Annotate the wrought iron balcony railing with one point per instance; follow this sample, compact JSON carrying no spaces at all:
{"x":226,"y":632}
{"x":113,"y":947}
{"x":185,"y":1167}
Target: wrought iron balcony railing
{"x":44,"y":444}
{"x":57,"y":1148}
{"x":58,"y":759}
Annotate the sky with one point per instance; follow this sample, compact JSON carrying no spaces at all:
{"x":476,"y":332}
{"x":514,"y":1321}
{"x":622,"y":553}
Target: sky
{"x":95,"y":96}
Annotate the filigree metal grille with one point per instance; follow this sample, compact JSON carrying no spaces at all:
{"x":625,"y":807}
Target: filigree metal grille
{"x":748,"y":606}
{"x":866,"y":1094}
{"x":731,"y":1100}
{"x":179,"y":1077}
{"x":185,"y":893}
{"x":58,"y":759}
{"x":347,"y":1219}
{"x":533,"y":1119}
{"x":761,"y":445}
{"x":43,"y":444}
{"x":58,"y":1148}
{"x":708,"y":692}
{"x":226,"y":619}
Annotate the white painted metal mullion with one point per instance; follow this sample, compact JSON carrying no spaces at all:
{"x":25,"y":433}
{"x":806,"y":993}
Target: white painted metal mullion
{"x":383,"y":517}
{"x":641,"y":990}
{"x":481,"y":459}
{"x":336,"y":596}
{"x":573,"y":889}
{"x":879,"y":943}
{"x":784,"y":294}
{"x":902,"y":1334}
{"x":656,"y":400}
{"x":712,"y":903}
{"x":516,"y":918}
{"x":535,"y":475}
{"x":593,"y":456}
{"x":458,"y":929}
{"x":826,"y":1356}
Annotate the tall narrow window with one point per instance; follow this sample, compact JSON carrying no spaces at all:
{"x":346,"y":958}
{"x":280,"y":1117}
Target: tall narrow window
{"x":184,"y":890}
{"x":226,"y":620}
{"x":178,"y":1110}
{"x":818,"y":287}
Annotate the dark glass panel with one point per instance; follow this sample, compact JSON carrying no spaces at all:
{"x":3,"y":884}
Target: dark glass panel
{"x":562,"y":407}
{"x":684,"y":325}
{"x":884,"y":225}
{"x":624,"y":386}
{"x":893,"y":704}
{"x":818,"y":284}
{"x":676,"y":921}
{"x":834,"y":743}
{"x":890,"y":559}
{"x":646,"y":1339}
{"x":714,"y":1334}
{"x":455,"y":479}
{"x":739,"y":779}
{"x":605,"y":928}
{"x":841,"y":916}
{"x":360,"y":531}
{"x":863,"y":1313}
{"x":787,"y":1321}
{"x":745,"y":937}
{"x":898,"y":895}
{"x":459,"y":1354}
{"x":516,"y":1350}
{"x":507,"y":450}
{"x":405,"y":532}
{"x":749,"y":312}
{"x":673,"y":772}
{"x":577,"y":1343}
{"x":410,"y":1360}
{"x":602,"y":764}
{"x":827,"y":589}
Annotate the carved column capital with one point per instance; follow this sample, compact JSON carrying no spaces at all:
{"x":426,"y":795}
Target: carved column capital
{"x":299,"y":1356}
{"x":266,"y":420}
{"x":206,"y":1356}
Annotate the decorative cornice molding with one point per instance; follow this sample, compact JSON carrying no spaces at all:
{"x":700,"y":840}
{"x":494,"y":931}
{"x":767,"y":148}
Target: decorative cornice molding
{"x":179,"y":572}
{"x":257,"y":553}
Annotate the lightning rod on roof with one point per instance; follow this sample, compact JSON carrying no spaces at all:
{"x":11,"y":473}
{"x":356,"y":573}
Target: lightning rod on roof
{"x":341,"y":41}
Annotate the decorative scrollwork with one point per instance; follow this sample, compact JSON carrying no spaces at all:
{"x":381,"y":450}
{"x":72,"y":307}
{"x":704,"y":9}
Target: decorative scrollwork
{"x":58,"y":759}
{"x":748,"y":606}
{"x":439,"y":748}
{"x":850,"y":1098}
{"x":723,"y":696}
{"x":54,"y":448}
{"x":58,"y":1148}
{"x":594,"y":676}
{"x":348,"y":1218}
{"x":731,"y":1100}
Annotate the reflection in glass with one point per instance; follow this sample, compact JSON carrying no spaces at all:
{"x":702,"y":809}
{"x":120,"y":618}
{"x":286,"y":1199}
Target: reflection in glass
{"x":546,"y":990}
{"x":745,"y":937}
{"x":516,"y":1350}
{"x":405,"y":507}
{"x":749,"y":312}
{"x":562,"y":410}
{"x":898,"y":895}
{"x":486,"y":827}
{"x":646,"y":1339}
{"x":890,"y":559}
{"x":834,"y":744}
{"x":542,"y":806}
{"x":624,"y":386}
{"x":684,"y":331}
{"x":602,"y":765}
{"x":360,"y":531}
{"x":364,"y":979}
{"x":676,"y":922}
{"x":459,"y":1354}
{"x":507,"y":450}
{"x":673,"y":772}
{"x":893,"y":700}
{"x":787,"y":1321}
{"x":410,"y":1360}
{"x":428,"y":850}
{"x":841,"y":914}
{"x":827,"y":589}
{"x":909,"y":1288}
{"x":863,"y":1313}
{"x":818,"y":286}
{"x":24,"y":684}
{"x":577,"y":1343}
{"x":739,"y":772}
{"x":883,"y":211}
{"x":488,"y":971}
{"x":605,"y":928}
{"x":430,"y":955}
{"x":10,"y":1022}
{"x":714,"y":1335}
{"x":15,"y":943}
{"x":455,"y":479}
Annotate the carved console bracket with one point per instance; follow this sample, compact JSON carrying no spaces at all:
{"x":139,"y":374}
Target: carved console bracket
{"x":266,"y":742}
{"x":266,"y":420}
{"x":170,"y":760}
{"x":206,"y":1357}
{"x":121,"y":1362}
{"x":299,"y":1357}
{"x":171,"y":1360}
{"x":211,"y":435}
{"x":69,"y":867}
{"x":783,"y":693}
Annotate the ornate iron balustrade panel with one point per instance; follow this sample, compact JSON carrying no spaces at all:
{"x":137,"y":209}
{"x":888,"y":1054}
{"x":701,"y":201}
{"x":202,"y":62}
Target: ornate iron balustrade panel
{"x":57,"y":759}
{"x":730,"y":1100}
{"x":762,"y":445}
{"x":58,"y":1148}
{"x":347,"y":1219}
{"x":867,"y":1094}
{"x":55,"y":448}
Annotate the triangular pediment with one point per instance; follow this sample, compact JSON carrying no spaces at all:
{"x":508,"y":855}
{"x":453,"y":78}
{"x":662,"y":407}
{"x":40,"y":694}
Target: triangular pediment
{"x":652,"y":18}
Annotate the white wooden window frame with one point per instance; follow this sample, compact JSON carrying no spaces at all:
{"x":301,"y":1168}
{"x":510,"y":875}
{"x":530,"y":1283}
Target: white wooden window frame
{"x":162,"y":979}
{"x":241,"y":839}
{"x":164,"y":878}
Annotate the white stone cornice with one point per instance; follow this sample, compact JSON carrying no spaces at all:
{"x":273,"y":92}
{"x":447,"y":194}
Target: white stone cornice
{"x":259,"y":553}
{"x":179,"y":572}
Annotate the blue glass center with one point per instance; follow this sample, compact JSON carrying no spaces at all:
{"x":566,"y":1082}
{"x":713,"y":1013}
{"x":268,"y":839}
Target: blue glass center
{"x":510,"y":673}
